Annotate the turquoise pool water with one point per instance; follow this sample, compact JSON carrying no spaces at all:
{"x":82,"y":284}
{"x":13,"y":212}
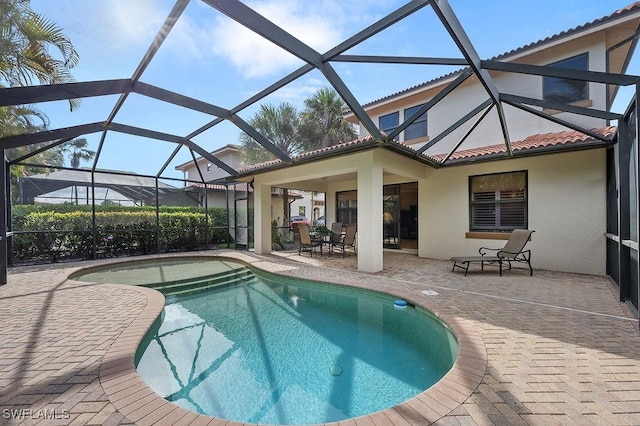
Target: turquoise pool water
{"x":269,"y":349}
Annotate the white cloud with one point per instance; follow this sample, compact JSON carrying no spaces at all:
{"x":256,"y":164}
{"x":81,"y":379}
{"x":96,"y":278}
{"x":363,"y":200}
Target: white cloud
{"x":134,"y":21}
{"x":298,"y":92}
{"x":255,"y":56}
{"x":203,"y":34}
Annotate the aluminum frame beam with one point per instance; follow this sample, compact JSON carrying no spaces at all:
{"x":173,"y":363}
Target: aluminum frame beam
{"x":180,"y":100}
{"x":152,"y":134}
{"x":418,"y":60}
{"x":547,"y":71}
{"x":559,"y":106}
{"x":464,"y":75}
{"x":385,"y":22}
{"x":314,"y":60}
{"x":56,"y":92}
{"x":160,"y":37}
{"x":260,"y":25}
{"x":557,"y":120}
{"x":456,"y":31}
{"x":257,"y":23}
{"x":49,"y":135}
{"x":467,"y":134}
{"x":38,"y":151}
{"x":455,"y":125}
{"x":169,"y":160}
{"x":368,"y":32}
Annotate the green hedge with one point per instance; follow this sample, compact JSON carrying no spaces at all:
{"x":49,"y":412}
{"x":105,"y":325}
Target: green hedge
{"x":54,"y":231}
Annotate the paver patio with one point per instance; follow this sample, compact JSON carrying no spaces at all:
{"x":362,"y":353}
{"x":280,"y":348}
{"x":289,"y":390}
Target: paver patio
{"x":560,"y":348}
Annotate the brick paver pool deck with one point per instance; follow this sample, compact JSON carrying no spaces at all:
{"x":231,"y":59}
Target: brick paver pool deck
{"x":555,"y":348}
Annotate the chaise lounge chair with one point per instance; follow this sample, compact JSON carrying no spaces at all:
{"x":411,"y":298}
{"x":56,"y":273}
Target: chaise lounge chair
{"x":513,"y":251}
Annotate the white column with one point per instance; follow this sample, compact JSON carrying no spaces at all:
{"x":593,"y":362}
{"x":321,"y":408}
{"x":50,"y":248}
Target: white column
{"x":370,"y":183}
{"x":262,"y":218}
{"x":423,"y":224}
{"x":330,"y":207}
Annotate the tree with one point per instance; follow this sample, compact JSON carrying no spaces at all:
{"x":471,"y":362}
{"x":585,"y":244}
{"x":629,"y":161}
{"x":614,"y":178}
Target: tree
{"x":25,"y":119}
{"x":322,"y":123}
{"x":26,"y":41}
{"x":280,"y":125}
{"x":77,"y":150}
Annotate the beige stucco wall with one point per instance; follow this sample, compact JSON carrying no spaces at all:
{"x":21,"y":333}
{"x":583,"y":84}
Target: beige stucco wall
{"x":231,"y":157}
{"x":566,"y":206}
{"x":471,"y":94}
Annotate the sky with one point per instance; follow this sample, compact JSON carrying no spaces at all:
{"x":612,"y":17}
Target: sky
{"x":209,"y":57}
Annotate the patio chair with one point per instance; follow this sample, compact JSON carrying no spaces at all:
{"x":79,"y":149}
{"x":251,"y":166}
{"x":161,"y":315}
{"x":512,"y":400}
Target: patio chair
{"x":306,"y":242}
{"x":513,"y":251}
{"x":336,"y":232}
{"x":348,"y":240}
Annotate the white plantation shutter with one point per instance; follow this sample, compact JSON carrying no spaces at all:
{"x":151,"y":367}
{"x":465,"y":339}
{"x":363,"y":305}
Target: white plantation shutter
{"x":499,"y":201}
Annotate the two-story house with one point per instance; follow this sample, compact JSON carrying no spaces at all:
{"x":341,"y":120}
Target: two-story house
{"x":202,"y":170}
{"x":224,"y":194}
{"x":523,"y":140}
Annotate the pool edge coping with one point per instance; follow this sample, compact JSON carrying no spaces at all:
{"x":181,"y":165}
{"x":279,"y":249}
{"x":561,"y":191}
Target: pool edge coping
{"x":136,"y":401}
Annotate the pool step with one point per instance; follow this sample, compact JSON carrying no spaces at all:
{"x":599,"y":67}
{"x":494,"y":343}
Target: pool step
{"x":240,"y":269}
{"x":195,"y":285}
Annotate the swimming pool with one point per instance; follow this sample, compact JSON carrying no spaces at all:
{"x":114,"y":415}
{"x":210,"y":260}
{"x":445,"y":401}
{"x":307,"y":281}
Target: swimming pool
{"x":277,"y":350}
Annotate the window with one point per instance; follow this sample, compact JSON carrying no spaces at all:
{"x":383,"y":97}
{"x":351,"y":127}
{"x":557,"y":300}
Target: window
{"x":347,"y":202}
{"x":418,"y":128}
{"x":498,"y":202}
{"x":566,"y":90}
{"x":389,"y":122}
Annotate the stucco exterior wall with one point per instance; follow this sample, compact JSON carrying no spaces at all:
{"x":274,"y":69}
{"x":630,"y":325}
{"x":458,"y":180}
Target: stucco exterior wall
{"x":227,"y":155}
{"x":566,"y":208}
{"x":471,"y":94}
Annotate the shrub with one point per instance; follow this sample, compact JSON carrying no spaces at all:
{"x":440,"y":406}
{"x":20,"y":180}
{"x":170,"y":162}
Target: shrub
{"x":53,"y":231}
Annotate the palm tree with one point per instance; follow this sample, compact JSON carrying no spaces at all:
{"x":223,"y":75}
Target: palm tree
{"x":20,"y":119}
{"x":26,"y":40}
{"x":322,"y":123}
{"x":14,"y":120}
{"x":77,"y":150}
{"x":279,"y":124}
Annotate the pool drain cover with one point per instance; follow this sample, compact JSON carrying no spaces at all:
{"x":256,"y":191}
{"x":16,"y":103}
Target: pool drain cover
{"x":335,"y":370}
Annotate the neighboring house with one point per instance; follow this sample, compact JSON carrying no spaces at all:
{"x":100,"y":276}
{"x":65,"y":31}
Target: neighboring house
{"x":202,"y":170}
{"x":310,"y":204}
{"x":226,"y":195}
{"x":457,"y":180}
